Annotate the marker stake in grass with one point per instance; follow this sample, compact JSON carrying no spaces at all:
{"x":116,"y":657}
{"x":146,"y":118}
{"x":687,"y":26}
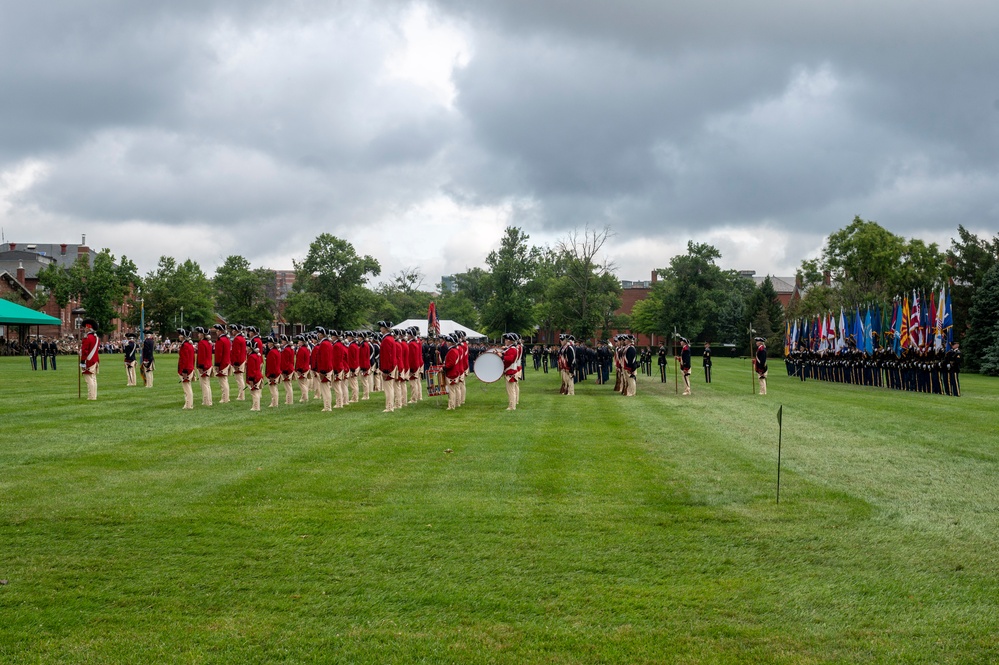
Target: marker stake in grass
{"x":780,"y":434}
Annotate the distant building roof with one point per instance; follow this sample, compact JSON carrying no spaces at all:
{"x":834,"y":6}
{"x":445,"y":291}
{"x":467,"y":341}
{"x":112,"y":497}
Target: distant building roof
{"x":32,"y":262}
{"x":781,"y":284}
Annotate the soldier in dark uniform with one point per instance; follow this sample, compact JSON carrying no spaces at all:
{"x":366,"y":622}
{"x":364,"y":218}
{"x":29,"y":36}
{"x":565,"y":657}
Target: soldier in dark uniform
{"x":662,"y":363}
{"x":33,"y":354}
{"x":760,"y":363}
{"x":684,"y":360}
{"x":630,"y":364}
{"x":952,"y":360}
{"x":148,"y":345}
{"x":128,"y":349}
{"x":567,"y":365}
{"x":52,"y":350}
{"x":706,"y":361}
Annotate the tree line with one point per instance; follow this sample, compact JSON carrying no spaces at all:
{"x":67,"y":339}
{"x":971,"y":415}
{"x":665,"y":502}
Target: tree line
{"x":540,"y":290}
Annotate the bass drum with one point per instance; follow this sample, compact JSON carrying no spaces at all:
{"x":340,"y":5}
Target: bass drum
{"x":488,"y":368}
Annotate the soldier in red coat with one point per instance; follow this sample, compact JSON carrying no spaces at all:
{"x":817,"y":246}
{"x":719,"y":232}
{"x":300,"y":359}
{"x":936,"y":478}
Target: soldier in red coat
{"x":238,"y":359}
{"x":287,"y":369}
{"x":452,"y":371}
{"x":339,"y":370}
{"x":204,"y":363}
{"x":323,"y":356}
{"x":353,"y":366}
{"x":511,"y":369}
{"x":272,"y":369}
{"x":364,"y":364}
{"x":185,"y":366}
{"x":90,"y":357}
{"x":387,"y":364}
{"x":312,"y":339}
{"x":223,"y":359}
{"x":303,"y":367}
{"x":254,"y":376}
{"x":255,"y":339}
{"x":415,"y":366}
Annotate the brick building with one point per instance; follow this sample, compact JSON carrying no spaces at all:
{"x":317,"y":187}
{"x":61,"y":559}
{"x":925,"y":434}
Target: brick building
{"x":20,"y":264}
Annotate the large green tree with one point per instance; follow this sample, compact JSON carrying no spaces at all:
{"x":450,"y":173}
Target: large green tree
{"x":329,"y":287}
{"x":176,"y":294}
{"x":401,"y":297}
{"x":696,"y":298}
{"x":101,"y":286}
{"x":981,"y":349}
{"x":869,"y":263}
{"x":968,"y":259}
{"x":509,"y":307}
{"x":765,"y":315}
{"x":242,"y":293}
{"x":585,"y":288}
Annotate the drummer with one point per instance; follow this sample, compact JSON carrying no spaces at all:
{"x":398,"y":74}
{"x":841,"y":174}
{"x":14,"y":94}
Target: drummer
{"x":511,"y":368}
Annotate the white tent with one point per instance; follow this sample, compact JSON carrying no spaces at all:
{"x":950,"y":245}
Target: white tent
{"x":447,"y":327}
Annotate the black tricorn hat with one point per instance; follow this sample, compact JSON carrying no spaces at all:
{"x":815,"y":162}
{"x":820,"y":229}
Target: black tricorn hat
{"x":89,"y":323}
{"x":147,"y":331}
{"x":761,"y":339}
{"x":131,"y":335}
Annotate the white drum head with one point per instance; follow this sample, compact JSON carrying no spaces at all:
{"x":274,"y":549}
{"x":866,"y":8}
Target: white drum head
{"x":488,"y":368}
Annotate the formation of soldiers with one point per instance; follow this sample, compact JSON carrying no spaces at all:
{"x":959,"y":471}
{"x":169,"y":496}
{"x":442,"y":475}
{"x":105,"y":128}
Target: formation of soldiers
{"x":44,"y":350}
{"x":926,"y":370}
{"x":338,"y":368}
{"x":335,"y":367}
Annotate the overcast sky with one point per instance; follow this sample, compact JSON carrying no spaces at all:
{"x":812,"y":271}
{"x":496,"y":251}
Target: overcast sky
{"x":418,"y":131}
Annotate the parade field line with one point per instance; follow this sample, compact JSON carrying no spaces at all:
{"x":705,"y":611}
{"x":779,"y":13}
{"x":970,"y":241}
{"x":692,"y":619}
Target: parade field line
{"x":591,"y":528}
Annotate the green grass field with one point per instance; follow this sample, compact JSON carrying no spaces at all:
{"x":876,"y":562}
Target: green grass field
{"x":591,"y":528}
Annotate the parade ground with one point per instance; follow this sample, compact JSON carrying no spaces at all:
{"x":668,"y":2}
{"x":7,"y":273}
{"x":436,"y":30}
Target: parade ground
{"x":581,"y":529}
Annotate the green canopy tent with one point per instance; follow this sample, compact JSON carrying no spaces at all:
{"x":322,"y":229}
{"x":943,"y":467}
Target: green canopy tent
{"x":12,"y":314}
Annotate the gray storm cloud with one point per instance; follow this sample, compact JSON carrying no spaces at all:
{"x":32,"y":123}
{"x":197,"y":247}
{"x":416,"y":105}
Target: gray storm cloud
{"x":777,"y":120}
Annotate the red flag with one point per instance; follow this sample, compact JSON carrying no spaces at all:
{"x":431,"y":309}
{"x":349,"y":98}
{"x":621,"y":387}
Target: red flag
{"x":433,"y":323}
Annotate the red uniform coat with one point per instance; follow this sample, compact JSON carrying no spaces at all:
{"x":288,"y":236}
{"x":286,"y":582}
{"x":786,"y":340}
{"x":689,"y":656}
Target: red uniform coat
{"x":223,"y":352}
{"x":303,"y":359}
{"x":415,"y":355}
{"x":323,"y":355}
{"x":353,"y":356}
{"x":452,"y":363}
{"x":287,"y":360}
{"x":185,"y":359}
{"x":259,"y":343}
{"x":364,"y":356}
{"x":238,"y":352}
{"x":464,"y":356}
{"x":89,"y":355}
{"x":273,"y":364}
{"x":510,"y":368}
{"x":253,"y":375}
{"x":386,"y":360}
{"x":339,"y":357}
{"x":204,"y":355}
